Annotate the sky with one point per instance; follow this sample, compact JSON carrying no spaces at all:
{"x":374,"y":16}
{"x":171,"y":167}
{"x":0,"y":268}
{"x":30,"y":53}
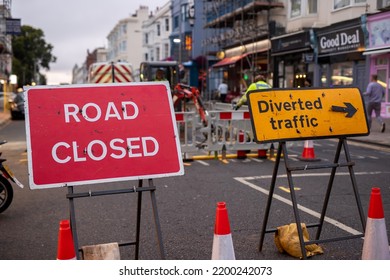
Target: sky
{"x":74,"y":26}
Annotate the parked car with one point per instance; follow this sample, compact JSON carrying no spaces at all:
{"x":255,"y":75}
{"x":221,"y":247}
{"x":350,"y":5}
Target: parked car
{"x":16,"y":106}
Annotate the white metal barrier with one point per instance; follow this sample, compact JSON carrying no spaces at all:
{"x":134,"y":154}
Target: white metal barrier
{"x":186,"y":126}
{"x":231,"y":130}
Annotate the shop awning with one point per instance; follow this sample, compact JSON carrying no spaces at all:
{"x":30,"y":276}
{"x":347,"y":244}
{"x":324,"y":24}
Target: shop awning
{"x":229,"y":60}
{"x":376,"y":51}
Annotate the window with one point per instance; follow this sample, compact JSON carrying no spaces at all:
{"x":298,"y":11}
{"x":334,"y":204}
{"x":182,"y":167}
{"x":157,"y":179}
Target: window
{"x":158,"y":54}
{"x":158,"y":29}
{"x":167,"y":24}
{"x":146,"y":38}
{"x":312,"y":7}
{"x":123,"y":46}
{"x":123,"y":29}
{"x":381,"y":4}
{"x":338,"y":4}
{"x":300,"y":8}
{"x":166,"y":50}
{"x":295,"y":8}
{"x":183,"y":12}
{"x":188,"y":42}
{"x":176,"y":22}
{"x":342,"y":74}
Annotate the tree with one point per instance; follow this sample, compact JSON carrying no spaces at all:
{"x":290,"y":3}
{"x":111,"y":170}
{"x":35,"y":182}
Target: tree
{"x":31,"y":53}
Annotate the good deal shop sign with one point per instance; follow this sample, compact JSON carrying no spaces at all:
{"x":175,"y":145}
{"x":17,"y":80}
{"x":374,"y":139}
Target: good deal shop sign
{"x":88,"y":134}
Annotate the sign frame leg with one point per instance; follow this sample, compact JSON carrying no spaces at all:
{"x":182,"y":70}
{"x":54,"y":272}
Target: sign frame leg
{"x":140,"y":189}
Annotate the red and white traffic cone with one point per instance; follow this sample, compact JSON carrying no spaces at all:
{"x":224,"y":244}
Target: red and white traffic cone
{"x":65,"y":250}
{"x":222,"y":243}
{"x":376,"y":244}
{"x":308,"y":152}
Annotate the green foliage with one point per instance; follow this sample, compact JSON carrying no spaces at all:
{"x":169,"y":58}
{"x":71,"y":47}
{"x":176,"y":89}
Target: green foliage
{"x":31,"y":53}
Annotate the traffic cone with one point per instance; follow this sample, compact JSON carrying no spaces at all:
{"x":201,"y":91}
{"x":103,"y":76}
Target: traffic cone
{"x":222,"y":243}
{"x":308,"y":152}
{"x":376,"y":244}
{"x":65,"y":250}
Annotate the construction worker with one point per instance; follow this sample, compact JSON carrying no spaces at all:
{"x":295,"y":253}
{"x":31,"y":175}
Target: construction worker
{"x":160,"y":75}
{"x":259,"y":83}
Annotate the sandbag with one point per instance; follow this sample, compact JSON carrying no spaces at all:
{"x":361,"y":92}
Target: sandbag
{"x":287,"y":241}
{"x":108,"y":251}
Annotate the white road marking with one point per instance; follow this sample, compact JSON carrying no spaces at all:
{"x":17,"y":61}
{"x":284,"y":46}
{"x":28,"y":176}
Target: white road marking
{"x":203,"y":162}
{"x":245,"y":181}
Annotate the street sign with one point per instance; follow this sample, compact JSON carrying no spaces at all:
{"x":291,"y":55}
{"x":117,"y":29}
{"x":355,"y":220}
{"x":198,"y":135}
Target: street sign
{"x":13,"y":26}
{"x":84,"y":134}
{"x":291,"y":114}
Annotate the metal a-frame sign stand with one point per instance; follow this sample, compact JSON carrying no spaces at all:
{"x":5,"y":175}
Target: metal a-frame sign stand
{"x":289,"y":169}
{"x":87,"y":136}
{"x":139,"y":190}
{"x":282,"y":115}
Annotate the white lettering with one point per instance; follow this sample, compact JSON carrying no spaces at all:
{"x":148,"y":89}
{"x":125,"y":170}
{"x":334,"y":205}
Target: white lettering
{"x":132,"y":147}
{"x":92,"y":112}
{"x":76,"y":155}
{"x":341,"y":39}
{"x":349,"y":39}
{"x":91,"y":152}
{"x":72,"y":113}
{"x":145,"y":147}
{"x":125,"y":111}
{"x":117,"y":148}
{"x":329,"y":43}
{"x":111,"y":107}
{"x":89,"y":118}
{"x":54,"y":152}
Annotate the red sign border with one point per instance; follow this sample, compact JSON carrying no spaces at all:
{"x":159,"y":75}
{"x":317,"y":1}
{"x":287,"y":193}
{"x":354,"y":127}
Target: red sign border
{"x":108,"y":180}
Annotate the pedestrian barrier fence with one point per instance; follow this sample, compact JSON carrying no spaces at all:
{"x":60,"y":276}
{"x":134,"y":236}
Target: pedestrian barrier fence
{"x":224,"y":130}
{"x":187,"y":125}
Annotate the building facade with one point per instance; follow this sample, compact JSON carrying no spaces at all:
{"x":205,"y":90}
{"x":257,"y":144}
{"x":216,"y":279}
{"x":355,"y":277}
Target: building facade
{"x":156,"y":30}
{"x":308,"y":49}
{"x":80,"y":73}
{"x":378,"y":52}
{"x":5,"y":42}
{"x":244,"y":29}
{"x":125,"y":39}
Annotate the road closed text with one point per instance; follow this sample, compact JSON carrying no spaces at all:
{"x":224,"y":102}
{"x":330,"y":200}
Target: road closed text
{"x":99,"y":149}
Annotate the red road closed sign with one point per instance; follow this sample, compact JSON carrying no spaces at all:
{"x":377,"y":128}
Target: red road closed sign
{"x":88,"y":134}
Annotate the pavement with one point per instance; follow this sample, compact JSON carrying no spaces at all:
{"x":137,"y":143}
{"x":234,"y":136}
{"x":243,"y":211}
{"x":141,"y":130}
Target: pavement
{"x":375,"y":137}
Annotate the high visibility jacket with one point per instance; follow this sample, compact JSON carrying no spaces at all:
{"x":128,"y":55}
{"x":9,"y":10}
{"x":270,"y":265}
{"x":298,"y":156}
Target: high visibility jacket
{"x":260,"y":85}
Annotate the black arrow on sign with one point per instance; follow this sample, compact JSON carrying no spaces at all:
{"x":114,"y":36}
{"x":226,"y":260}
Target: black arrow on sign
{"x":349,"y":109}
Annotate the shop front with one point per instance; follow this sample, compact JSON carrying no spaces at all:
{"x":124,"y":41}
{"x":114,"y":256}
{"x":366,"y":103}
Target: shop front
{"x":293,"y":60}
{"x":340,"y":55}
{"x":378,"y":53}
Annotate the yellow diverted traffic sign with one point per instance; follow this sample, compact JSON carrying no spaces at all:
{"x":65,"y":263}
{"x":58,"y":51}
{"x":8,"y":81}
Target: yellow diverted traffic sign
{"x":291,"y":114}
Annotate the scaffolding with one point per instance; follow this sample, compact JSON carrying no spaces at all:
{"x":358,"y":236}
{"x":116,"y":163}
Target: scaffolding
{"x":239,"y":27}
{"x":5,"y":41}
